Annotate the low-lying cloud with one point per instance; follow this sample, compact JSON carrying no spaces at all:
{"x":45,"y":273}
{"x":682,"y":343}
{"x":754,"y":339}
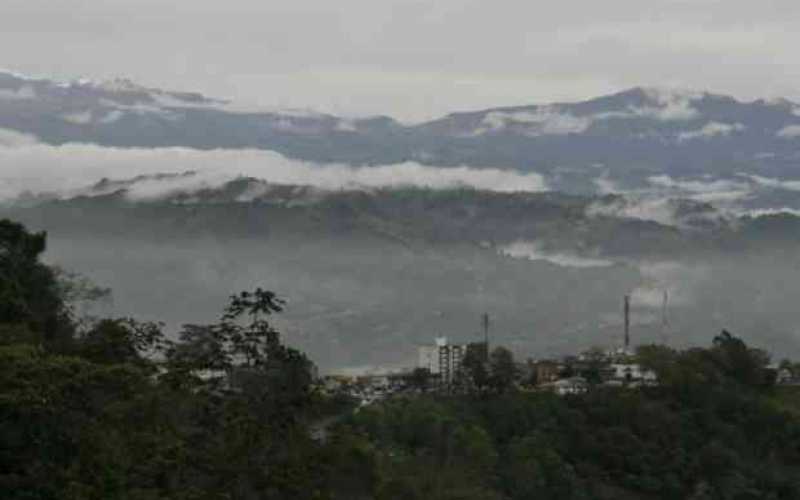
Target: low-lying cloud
{"x":765,"y":212}
{"x":697,"y":186}
{"x":678,"y":201}
{"x":68,"y":169}
{"x":789,"y":132}
{"x":14,"y":139}
{"x":663,"y":105}
{"x":720,"y":192}
{"x":531,"y":250}
{"x":769,"y":182}
{"x":23,"y":93}
{"x":677,"y":280}
{"x":542,"y":121}
{"x":656,"y":209}
{"x":711,"y":130}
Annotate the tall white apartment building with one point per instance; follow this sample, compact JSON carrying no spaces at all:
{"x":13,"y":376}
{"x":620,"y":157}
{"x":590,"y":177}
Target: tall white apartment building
{"x":442,"y":359}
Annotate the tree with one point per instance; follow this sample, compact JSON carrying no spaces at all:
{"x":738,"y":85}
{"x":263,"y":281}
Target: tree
{"x":254,"y":343}
{"x":228,"y":344}
{"x":473,"y":446}
{"x":503,"y":371}
{"x":739,"y":362}
{"x":474,"y":367}
{"x":79,"y":294}
{"x":420,"y":379}
{"x":29,"y":292}
{"x":246,"y":357}
{"x":113,"y":341}
{"x":660,"y":359}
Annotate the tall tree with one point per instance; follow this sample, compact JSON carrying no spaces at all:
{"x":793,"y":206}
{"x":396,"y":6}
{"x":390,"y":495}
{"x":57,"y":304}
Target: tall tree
{"x":739,"y":362}
{"x":503,"y":371}
{"x":29,"y":293}
{"x":420,"y":379}
{"x":474,"y":367}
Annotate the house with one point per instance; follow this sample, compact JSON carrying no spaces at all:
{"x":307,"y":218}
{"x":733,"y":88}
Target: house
{"x":547,"y":371}
{"x":335,"y":384}
{"x":783,"y":376}
{"x":572,"y":385}
{"x":630,"y":374}
{"x":375,"y":382}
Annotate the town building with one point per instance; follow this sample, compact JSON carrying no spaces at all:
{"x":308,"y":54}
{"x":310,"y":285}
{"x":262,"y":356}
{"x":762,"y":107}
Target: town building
{"x":442,"y":359}
{"x":565,"y":386}
{"x":632,"y":374}
{"x":548,"y":371}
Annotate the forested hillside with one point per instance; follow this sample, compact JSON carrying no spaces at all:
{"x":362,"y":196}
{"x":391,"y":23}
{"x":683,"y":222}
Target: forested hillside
{"x":371,"y":273}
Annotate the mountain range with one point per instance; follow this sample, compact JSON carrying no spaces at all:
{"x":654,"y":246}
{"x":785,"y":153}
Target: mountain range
{"x":648,"y":192}
{"x":628,"y":136}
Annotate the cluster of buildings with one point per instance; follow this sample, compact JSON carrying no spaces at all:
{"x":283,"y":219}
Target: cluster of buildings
{"x":576,"y":374}
{"x":367,"y":388}
{"x":568,"y":375}
{"x":787,"y":374}
{"x":441,"y":365}
{"x":441,"y":362}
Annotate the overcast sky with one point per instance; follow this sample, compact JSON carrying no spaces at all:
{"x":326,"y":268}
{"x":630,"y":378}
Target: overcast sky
{"x":412,"y":59}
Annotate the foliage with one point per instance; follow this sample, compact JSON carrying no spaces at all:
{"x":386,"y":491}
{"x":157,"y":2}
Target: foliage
{"x":708,"y":431}
{"x":29,"y":293}
{"x":118,"y":411}
{"x":475,"y":369}
{"x":79,"y":293}
{"x":420,"y":379}
{"x":502,"y":370}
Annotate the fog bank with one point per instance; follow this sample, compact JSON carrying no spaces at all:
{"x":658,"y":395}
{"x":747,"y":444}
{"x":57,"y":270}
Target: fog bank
{"x":68,"y":169}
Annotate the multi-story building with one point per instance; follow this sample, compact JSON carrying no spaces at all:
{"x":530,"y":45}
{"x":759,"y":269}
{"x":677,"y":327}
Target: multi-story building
{"x":442,"y":359}
{"x":631,"y":374}
{"x":547,"y":371}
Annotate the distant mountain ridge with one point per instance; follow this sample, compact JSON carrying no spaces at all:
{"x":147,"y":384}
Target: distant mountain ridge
{"x":610,"y":226}
{"x":631,"y":134}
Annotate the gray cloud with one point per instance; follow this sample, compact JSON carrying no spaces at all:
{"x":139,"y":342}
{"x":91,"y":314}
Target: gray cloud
{"x":410,"y":58}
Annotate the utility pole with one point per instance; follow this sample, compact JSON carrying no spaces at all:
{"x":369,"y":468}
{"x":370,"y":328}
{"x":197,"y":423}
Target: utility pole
{"x":664,"y":321}
{"x":627,"y":323}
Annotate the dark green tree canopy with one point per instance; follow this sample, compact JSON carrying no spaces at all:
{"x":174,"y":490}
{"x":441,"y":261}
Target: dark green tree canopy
{"x":29,"y":292}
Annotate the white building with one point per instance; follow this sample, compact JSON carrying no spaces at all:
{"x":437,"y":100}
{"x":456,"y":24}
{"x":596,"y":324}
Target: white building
{"x":572,"y":385}
{"x":442,"y":359}
{"x":632,"y":373}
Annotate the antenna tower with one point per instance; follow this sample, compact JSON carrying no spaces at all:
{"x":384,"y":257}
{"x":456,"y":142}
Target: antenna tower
{"x":627,"y":323}
{"x":664,"y":320}
{"x":485,"y":321}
